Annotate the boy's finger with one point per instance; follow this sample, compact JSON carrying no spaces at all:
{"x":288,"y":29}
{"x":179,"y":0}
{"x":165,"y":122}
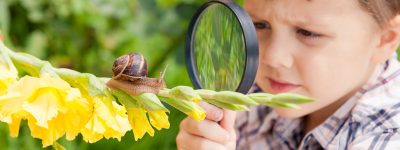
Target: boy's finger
{"x":228,"y":120}
{"x":185,"y":141}
{"x":212,"y":112}
{"x":206,"y":128}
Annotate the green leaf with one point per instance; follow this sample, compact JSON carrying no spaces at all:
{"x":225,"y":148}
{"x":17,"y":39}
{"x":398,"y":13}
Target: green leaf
{"x":87,"y":83}
{"x":124,"y":98}
{"x":189,"y":108}
{"x":281,"y":105}
{"x":226,"y":105}
{"x":291,"y":98}
{"x":184,"y":93}
{"x":233,"y":97}
{"x":150,"y":102}
{"x":261,"y":98}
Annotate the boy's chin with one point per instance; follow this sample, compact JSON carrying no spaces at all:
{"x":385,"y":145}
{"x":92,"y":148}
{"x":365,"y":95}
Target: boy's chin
{"x":291,"y":113}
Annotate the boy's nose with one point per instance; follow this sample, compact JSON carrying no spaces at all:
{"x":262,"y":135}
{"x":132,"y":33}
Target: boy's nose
{"x":276,"y":53}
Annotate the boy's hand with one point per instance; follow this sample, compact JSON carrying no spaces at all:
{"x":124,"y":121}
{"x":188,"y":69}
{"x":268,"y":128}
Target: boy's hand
{"x":208,"y":134}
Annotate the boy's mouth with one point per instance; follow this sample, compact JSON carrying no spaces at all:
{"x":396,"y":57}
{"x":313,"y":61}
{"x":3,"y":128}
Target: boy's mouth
{"x":281,"y":86}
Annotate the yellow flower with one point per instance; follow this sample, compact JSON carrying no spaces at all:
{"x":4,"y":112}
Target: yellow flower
{"x":51,"y":106}
{"x":11,"y":109}
{"x":15,"y":123}
{"x":77,"y":106}
{"x":197,"y":114}
{"x":5,"y":81}
{"x":139,"y":122}
{"x":137,"y":107}
{"x":159,"y":119}
{"x":7,"y":76}
{"x":109,"y":120}
{"x":189,"y":108}
{"x":54,"y":130}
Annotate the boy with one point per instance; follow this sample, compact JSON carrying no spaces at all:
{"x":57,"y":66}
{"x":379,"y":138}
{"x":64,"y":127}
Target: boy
{"x":341,"y":53}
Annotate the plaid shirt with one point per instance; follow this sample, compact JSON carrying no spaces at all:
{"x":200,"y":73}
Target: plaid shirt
{"x":368,"y":120}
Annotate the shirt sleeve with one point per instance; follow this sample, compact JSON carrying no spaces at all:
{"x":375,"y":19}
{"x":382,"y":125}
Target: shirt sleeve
{"x":386,"y":140}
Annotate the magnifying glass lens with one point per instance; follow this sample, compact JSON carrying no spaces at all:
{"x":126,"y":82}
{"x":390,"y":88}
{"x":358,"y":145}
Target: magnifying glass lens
{"x":219,"y":49}
{"x":222,"y":48}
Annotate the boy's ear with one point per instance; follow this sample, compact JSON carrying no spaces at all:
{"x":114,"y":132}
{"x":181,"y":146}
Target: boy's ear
{"x":389,"y":41}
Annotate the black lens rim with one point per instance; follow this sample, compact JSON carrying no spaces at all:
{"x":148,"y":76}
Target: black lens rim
{"x":251,"y":46}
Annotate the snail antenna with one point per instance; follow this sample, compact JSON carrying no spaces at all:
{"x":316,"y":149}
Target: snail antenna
{"x":163,"y":73}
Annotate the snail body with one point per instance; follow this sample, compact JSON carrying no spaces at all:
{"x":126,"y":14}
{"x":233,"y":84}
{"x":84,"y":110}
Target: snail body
{"x":130,"y":75}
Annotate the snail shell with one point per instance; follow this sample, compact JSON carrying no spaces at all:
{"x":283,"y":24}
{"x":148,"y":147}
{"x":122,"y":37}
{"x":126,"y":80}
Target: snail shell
{"x":130,"y":67}
{"x":130,"y":76}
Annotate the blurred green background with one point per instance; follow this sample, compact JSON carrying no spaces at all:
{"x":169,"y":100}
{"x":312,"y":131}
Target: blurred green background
{"x":87,"y":35}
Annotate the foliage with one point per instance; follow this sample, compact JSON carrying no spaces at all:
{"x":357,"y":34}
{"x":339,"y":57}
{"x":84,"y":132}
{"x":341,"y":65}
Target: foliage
{"x":88,"y":35}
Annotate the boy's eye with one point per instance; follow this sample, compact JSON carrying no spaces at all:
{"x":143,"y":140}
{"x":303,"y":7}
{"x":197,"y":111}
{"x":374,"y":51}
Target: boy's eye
{"x":261,"y":25}
{"x":307,"y":33}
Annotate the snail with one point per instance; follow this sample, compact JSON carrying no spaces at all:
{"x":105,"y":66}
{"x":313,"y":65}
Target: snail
{"x":130,"y":76}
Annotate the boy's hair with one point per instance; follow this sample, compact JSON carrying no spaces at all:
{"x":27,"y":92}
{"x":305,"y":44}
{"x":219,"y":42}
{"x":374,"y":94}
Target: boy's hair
{"x":382,"y":10}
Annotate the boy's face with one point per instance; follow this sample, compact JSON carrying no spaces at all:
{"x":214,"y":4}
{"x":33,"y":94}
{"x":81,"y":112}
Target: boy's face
{"x":317,"y":48}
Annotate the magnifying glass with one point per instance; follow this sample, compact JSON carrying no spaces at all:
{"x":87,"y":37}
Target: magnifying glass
{"x":222,"y":48}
